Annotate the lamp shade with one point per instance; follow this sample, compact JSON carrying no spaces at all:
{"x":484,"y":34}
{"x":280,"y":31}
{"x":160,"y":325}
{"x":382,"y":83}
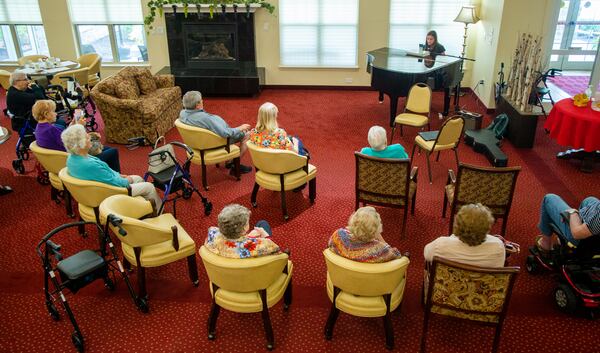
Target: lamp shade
{"x":467,"y":15}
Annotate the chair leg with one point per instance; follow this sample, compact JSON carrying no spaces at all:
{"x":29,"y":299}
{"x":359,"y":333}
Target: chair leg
{"x":204,"y":182}
{"x":287,"y":296}
{"x":193,"y":269}
{"x":437,"y":158}
{"x":401,"y":132}
{"x":387,"y":323}
{"x":212,"y":320}
{"x":392,"y":135}
{"x":312,"y":190}
{"x":451,"y":219}
{"x":254,"y":193}
{"x":404,"y":218}
{"x":68,"y":203}
{"x":413,"y":151}
{"x":414,"y":201}
{"x":445,"y":204}
{"x":267,"y":320}
{"x":141,"y":274}
{"x":236,"y":165}
{"x":504,"y":223}
{"x":126,"y":264}
{"x":283,"y":204}
{"x":429,"y":168}
{"x":496,"y":343}
{"x":53,"y":194}
{"x":424,"y":331}
{"x":333,"y":315}
{"x":456,"y":156}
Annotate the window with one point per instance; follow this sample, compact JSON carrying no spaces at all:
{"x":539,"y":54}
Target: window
{"x":21,"y":30}
{"x":318,"y":32}
{"x":410,"y":20}
{"x":112,"y":28}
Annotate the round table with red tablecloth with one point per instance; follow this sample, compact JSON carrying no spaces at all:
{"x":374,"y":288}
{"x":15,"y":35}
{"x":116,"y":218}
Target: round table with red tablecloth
{"x":578,"y":128}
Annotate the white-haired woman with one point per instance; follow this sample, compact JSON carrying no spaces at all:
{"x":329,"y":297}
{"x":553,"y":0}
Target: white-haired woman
{"x":378,"y":141}
{"x":268,"y":134}
{"x":83,"y":166}
{"x":361,"y":240}
{"x":234,"y":240}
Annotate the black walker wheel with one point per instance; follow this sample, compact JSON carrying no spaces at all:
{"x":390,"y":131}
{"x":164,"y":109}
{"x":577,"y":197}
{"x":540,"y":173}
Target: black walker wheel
{"x":142,"y":304}
{"x":18,"y":166}
{"x":54,"y":314}
{"x":187,"y":192}
{"x":109,"y":284}
{"x":531,"y":265}
{"x":43,"y":178}
{"x":208,"y":208}
{"x":77,"y":340}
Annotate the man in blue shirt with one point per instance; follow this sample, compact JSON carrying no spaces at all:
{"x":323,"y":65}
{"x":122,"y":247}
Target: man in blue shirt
{"x":193,"y":114}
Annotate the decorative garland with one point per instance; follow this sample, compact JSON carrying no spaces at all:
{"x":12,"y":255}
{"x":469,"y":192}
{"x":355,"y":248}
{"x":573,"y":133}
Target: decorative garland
{"x":157,"y":5}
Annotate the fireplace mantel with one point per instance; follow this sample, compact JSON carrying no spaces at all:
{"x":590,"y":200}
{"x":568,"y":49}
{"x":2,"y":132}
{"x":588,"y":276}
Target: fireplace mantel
{"x":204,"y":8}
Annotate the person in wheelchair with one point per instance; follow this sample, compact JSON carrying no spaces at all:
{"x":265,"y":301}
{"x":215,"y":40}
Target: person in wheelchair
{"x":583,"y":222}
{"x":83,"y":166}
{"x":22,"y":94}
{"x":47,"y":134}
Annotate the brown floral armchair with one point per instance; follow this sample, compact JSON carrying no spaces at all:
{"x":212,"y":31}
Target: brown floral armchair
{"x":134,"y":102}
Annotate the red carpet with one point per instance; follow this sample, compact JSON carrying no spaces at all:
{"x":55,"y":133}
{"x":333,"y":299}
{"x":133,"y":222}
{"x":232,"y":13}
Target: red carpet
{"x":332,"y":124}
{"x":571,"y":84}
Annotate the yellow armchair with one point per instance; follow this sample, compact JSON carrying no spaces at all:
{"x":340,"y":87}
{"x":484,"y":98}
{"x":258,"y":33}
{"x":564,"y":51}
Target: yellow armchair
{"x":281,"y":170}
{"x":365,"y":290}
{"x":247,"y":286}
{"x":92,"y":61}
{"x":148,"y":240}
{"x":209,"y":148}
{"x":53,"y":161}
{"x":79,"y":75}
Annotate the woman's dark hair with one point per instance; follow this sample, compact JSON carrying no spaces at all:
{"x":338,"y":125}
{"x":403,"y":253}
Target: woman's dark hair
{"x":433,"y":34}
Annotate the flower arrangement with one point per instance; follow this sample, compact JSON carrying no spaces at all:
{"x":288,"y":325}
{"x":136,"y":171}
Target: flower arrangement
{"x":581,"y":100}
{"x":157,"y":5}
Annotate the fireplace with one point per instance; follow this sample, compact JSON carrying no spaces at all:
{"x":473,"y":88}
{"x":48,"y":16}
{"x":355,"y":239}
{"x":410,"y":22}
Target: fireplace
{"x":214,"y":56}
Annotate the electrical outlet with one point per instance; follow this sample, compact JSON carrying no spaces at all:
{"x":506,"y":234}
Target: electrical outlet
{"x":481,"y":82}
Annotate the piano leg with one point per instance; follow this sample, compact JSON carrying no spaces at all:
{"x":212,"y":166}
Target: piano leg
{"x":446,"y":101}
{"x":380,"y":97}
{"x":393,"y":109}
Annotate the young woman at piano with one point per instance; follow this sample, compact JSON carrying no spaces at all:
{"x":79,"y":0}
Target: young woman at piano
{"x":432,"y":46}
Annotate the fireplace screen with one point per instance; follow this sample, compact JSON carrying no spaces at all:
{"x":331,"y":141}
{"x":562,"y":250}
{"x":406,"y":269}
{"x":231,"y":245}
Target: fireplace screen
{"x":211,"y":46}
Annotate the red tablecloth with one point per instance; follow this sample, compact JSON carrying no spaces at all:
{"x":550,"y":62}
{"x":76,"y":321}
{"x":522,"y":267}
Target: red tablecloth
{"x":576,"y":127}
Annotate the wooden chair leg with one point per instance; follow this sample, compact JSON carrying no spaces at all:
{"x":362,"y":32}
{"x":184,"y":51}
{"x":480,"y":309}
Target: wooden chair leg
{"x":283,"y":204}
{"x":392,"y":135}
{"x":456,"y":156}
{"x":287,"y":296}
{"x":204,"y":182}
{"x":333,"y":315}
{"x":404,"y":218}
{"x":445,"y":204}
{"x":451,"y":218}
{"x":236,"y":165}
{"x":401,"y":132}
{"x":424,"y":331}
{"x":504,"y":223}
{"x":312,"y":190}
{"x":212,"y":319}
{"x":254,"y":193}
{"x":53,"y":194}
{"x":141,"y":274}
{"x":126,"y":264}
{"x":267,"y":320}
{"x":68,"y":203}
{"x":193,"y":269}
{"x":437,"y":158}
{"x":413,"y":151}
{"x":387,"y":323}
{"x":429,"y":168}
{"x":414,"y":201}
{"x":496,"y":343}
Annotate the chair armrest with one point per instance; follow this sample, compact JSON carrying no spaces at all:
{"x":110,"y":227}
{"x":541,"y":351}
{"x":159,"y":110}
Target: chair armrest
{"x":451,"y":177}
{"x":175,"y":238}
{"x":164,"y":81}
{"x":413,"y":174}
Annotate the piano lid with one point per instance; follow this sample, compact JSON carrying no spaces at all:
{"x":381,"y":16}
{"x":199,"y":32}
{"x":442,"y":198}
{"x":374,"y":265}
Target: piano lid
{"x":399,"y":60}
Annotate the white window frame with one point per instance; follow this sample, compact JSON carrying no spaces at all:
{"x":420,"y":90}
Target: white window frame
{"x":13,"y":32}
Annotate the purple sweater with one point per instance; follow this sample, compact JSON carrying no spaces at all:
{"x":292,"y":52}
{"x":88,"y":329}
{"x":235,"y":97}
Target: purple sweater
{"x":48,"y":136}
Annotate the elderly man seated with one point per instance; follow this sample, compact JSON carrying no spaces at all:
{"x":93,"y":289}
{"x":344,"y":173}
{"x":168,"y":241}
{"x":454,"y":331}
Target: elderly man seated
{"x":22,"y":94}
{"x":193,"y":114}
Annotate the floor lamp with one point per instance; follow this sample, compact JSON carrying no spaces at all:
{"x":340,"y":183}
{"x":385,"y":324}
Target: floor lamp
{"x":467,"y":15}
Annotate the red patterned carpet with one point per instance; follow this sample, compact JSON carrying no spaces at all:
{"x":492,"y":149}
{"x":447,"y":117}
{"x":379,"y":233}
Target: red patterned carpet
{"x":332,"y":124}
{"x":571,"y":84}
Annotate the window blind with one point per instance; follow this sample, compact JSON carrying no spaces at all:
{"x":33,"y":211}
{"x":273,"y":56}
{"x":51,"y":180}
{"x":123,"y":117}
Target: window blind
{"x":20,"y":11}
{"x":410,"y":20}
{"x":318,"y":32}
{"x":106,"y":11}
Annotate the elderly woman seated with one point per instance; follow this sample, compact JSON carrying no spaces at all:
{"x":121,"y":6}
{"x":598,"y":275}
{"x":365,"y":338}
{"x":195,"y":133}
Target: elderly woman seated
{"x":470,"y":244}
{"x":22,"y":94}
{"x":232,"y":238}
{"x":47,"y":134}
{"x":83,"y":166}
{"x":361,"y":240}
{"x":268,"y":134}
{"x":378,"y":140}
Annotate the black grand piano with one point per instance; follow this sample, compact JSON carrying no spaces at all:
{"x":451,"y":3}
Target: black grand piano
{"x":395,"y":71}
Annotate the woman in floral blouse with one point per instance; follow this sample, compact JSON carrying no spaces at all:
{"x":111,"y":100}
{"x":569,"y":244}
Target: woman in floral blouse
{"x":232,"y":239}
{"x":269,"y":135}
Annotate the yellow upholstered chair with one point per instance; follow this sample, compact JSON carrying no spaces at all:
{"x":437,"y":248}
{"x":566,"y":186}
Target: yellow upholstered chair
{"x":24,"y":59}
{"x":416,"y":110}
{"x":365,"y":290}
{"x":251,"y":285}
{"x":89,"y":195}
{"x":473,"y":293}
{"x":448,"y":138}
{"x":80,"y":75}
{"x":53,"y":161}
{"x":281,"y":170}
{"x":148,"y":240}
{"x":492,"y":187}
{"x":209,"y":148}
{"x":5,"y":79}
{"x":386,"y":182}
{"x":93,"y":62}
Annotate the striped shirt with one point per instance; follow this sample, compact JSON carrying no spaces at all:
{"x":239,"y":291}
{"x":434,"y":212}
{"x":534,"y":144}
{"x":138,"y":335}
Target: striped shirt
{"x":590,"y":215}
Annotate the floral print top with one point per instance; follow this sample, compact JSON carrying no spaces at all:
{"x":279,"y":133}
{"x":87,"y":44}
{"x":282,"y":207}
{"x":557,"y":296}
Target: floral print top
{"x":277,"y":139}
{"x":240,"y":248}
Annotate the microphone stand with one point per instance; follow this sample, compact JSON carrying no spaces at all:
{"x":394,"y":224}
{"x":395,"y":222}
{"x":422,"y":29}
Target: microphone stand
{"x":457,"y":89}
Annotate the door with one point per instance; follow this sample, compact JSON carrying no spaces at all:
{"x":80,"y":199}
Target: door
{"x":576,"y":37}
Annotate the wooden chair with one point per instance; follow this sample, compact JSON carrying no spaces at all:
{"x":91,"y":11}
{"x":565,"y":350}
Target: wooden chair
{"x":281,"y":170}
{"x":53,"y":161}
{"x":386,"y":182}
{"x":467,"y":292}
{"x":93,"y":62}
{"x":251,"y":285}
{"x":448,"y":137}
{"x":492,"y":187}
{"x":416,"y":111}
{"x":364,"y":290}
{"x":209,"y":148}
{"x":148,"y":240}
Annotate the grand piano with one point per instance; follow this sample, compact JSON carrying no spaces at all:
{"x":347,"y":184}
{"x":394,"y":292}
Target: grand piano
{"x":394,"y":72}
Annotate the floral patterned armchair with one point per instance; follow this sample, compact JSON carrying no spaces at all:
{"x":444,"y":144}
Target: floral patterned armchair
{"x":133,"y":103}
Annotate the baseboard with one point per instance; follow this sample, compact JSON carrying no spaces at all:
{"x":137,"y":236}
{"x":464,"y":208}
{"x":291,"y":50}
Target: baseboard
{"x":313,"y":87}
{"x":469,"y":90}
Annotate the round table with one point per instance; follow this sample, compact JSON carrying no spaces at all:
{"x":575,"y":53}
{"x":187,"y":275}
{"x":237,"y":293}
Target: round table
{"x":578,"y":128}
{"x":5,"y":136}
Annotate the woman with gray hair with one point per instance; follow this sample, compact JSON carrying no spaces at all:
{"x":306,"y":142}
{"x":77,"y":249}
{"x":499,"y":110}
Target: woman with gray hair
{"x":83,"y":166}
{"x":232,"y":239}
{"x":378,"y":141}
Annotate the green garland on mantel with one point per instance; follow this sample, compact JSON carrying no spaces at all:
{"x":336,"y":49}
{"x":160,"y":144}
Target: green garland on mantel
{"x":157,"y":5}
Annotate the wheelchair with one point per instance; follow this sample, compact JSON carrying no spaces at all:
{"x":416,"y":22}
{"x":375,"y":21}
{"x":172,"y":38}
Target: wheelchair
{"x":577,"y":269}
{"x":72,"y":273}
